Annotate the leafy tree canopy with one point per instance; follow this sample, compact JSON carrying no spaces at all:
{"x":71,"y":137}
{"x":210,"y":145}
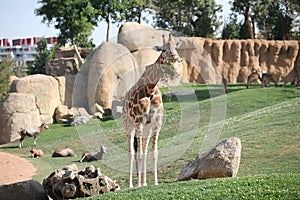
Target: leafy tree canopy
{"x":74,"y":18}
{"x":42,"y":57}
{"x":6,"y":67}
{"x":192,"y":18}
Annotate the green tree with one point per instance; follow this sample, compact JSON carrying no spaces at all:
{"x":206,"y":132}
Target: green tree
{"x":109,"y":11}
{"x":231,"y":28}
{"x":206,"y":22}
{"x":42,"y":57}
{"x":132,"y":10}
{"x":75,"y":19}
{"x":189,"y":17}
{"x":5,"y":72}
{"x":244,"y":7}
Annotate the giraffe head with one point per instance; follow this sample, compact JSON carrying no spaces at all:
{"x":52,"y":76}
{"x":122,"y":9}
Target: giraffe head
{"x":168,"y":51}
{"x":168,"y":57}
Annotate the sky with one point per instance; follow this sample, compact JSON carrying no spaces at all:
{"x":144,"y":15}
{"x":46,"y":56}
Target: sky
{"x":17,"y":20}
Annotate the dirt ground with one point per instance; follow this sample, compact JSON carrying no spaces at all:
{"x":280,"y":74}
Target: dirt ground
{"x":14,"y":169}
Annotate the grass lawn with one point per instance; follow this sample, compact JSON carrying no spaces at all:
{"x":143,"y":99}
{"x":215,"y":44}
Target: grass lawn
{"x":265,"y":119}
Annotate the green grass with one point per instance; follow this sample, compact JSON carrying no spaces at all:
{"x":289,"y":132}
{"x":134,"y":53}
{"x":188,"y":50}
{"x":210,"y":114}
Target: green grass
{"x":265,"y":119}
{"x":273,"y":186}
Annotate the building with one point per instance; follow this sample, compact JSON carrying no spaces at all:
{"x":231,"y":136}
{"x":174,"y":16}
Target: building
{"x":22,"y":50}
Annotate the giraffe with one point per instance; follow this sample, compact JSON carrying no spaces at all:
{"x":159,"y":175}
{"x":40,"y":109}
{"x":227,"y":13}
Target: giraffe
{"x":143,"y":112}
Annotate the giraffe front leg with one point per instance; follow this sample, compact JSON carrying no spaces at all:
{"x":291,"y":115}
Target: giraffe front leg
{"x":139,"y":159}
{"x":131,"y":153}
{"x":155,"y":157}
{"x":144,"y":161}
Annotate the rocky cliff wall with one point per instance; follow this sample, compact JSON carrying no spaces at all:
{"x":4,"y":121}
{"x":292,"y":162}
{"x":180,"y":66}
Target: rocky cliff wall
{"x":207,"y":60}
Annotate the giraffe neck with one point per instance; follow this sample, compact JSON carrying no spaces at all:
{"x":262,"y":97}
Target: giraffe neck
{"x":151,"y":75}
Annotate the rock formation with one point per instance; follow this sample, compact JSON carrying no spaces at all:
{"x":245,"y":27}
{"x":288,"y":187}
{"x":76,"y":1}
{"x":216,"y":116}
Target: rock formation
{"x":105,"y":76}
{"x":45,"y":90}
{"x":206,"y":60}
{"x":69,"y":183}
{"x":17,"y":111}
{"x":223,"y":160}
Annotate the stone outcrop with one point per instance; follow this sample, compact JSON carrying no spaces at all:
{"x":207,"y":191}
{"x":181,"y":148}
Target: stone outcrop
{"x":65,"y":88}
{"x":62,"y":66}
{"x":223,"y":160}
{"x":69,"y":183}
{"x":17,"y":111}
{"x":44,"y":89}
{"x":23,"y":191}
{"x":105,"y":76}
{"x":207,"y":60}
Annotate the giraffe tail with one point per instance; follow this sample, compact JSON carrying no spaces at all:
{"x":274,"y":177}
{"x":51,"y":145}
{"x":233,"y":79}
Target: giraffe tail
{"x":135,"y":157}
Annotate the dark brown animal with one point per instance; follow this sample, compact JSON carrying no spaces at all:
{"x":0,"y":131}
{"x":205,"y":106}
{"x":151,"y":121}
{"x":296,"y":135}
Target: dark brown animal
{"x":254,"y":77}
{"x":267,"y":79}
{"x":31,"y":132}
{"x":66,"y":152}
{"x":88,"y":157}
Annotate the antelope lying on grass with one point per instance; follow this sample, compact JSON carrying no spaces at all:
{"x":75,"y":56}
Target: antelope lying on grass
{"x":88,"y":157}
{"x":64,"y":152}
{"x":31,"y":132}
{"x":35,"y":153}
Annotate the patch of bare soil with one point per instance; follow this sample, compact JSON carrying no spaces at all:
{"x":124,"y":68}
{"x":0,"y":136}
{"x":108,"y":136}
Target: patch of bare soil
{"x":15,"y":169}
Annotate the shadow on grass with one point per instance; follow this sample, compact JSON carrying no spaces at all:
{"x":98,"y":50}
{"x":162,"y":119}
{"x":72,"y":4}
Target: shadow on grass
{"x":10,"y":147}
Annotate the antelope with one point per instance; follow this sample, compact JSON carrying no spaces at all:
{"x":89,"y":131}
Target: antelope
{"x":31,"y":132}
{"x":63,"y":152}
{"x":35,"y":153}
{"x":98,"y":155}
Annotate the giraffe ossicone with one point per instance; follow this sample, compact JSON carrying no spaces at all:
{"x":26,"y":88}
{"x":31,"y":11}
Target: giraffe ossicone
{"x":143,"y":110}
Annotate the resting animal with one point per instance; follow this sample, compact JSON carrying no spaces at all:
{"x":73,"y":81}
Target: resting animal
{"x":35,"y":153}
{"x":31,"y":132}
{"x":64,"y":152}
{"x":98,"y":155}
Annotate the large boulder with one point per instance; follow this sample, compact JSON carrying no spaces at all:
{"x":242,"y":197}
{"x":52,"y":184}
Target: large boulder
{"x":109,"y":71}
{"x":223,"y":160}
{"x":25,"y":190}
{"x":65,"y":88}
{"x":17,"y":111}
{"x":45,"y":90}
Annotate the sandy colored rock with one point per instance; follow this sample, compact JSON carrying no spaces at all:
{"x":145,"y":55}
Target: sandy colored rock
{"x":235,"y":59}
{"x":65,"y":88}
{"x":45,"y":90}
{"x":17,"y":111}
{"x":223,"y":160}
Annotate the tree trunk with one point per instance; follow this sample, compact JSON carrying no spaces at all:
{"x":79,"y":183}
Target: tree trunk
{"x":108,"y":27}
{"x":248,"y":32}
{"x":253,"y":26}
